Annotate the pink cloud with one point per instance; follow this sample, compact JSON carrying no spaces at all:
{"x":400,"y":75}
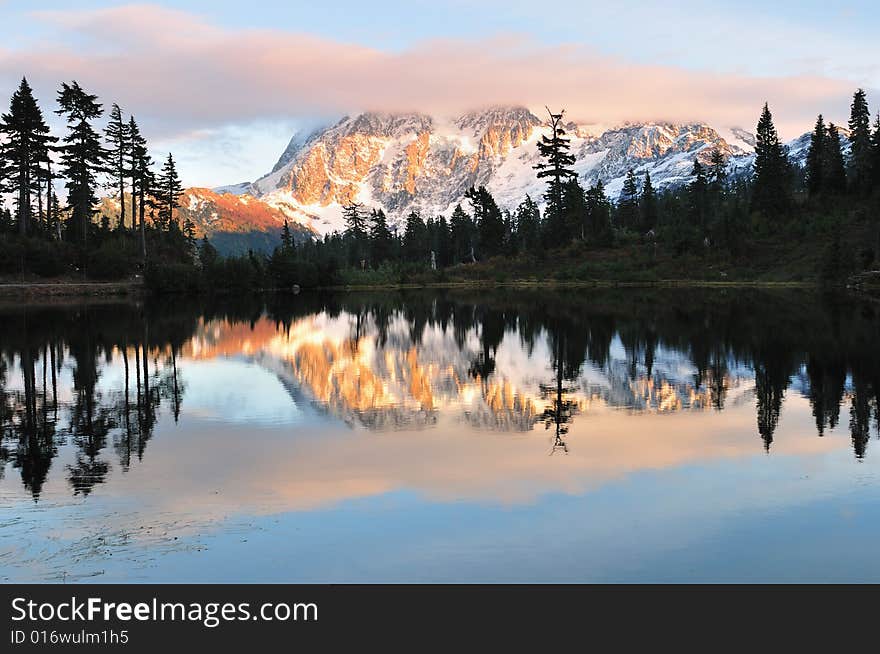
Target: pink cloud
{"x":182,"y":73}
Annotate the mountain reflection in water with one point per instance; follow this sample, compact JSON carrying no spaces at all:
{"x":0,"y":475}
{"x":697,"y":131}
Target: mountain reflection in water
{"x":96,"y":376}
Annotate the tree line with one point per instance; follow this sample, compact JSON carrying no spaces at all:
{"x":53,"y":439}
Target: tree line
{"x":89,"y":160}
{"x":719,"y":211}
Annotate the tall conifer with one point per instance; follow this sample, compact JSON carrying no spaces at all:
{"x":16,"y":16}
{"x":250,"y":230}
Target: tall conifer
{"x":82,"y":156}
{"x":860,"y":160}
{"x":24,"y":151}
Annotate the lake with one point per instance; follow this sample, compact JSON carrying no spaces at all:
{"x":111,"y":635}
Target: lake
{"x":613,"y":435}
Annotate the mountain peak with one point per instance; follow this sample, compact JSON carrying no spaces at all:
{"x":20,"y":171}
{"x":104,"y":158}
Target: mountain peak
{"x":498,"y":114}
{"x":404,"y":161}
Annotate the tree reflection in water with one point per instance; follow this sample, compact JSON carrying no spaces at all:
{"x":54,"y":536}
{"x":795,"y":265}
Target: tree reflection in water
{"x":406,"y":358}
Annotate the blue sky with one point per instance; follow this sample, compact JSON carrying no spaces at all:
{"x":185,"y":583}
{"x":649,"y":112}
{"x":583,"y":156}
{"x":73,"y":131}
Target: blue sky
{"x":711,"y":61}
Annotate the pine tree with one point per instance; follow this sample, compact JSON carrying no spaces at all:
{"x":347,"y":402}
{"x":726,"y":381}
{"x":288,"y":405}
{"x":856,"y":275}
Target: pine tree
{"x":860,"y":160}
{"x":189,"y":233}
{"x":415,"y":239}
{"x":355,"y":222}
{"x":770,"y":195}
{"x":82,"y":156}
{"x":717,"y":169}
{"x":648,"y":205}
{"x":489,"y":221}
{"x":598,"y":216}
{"x":462,"y":231}
{"x":24,"y":151}
{"x":575,"y":217}
{"x":556,"y":170}
{"x":528,"y":226}
{"x":139,"y":169}
{"x":628,"y":202}
{"x":381,"y":239}
{"x":168,"y":190}
{"x":286,"y":238}
{"x":698,"y":197}
{"x":53,"y":212}
{"x":444,"y":243}
{"x":207,"y":253}
{"x":816,"y":157}
{"x":118,"y":135}
{"x":355,"y":233}
{"x":833,"y":170}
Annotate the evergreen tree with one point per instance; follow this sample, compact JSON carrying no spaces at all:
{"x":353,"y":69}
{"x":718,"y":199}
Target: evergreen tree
{"x":598,"y":216}
{"x":82,"y":156}
{"x":489,"y":221}
{"x":648,"y":205}
{"x":168,"y":192}
{"x":24,"y":151}
{"x":208,"y":255}
{"x":462,"y":232}
{"x":628,"y":202}
{"x":415,"y":239}
{"x":816,"y":157}
{"x":355,"y":233}
{"x":575,"y":217}
{"x":528,"y":226}
{"x":355,"y":221}
{"x":860,"y":160}
{"x":381,"y":239}
{"x":444,"y":243}
{"x":189,"y":232}
{"x":698,"y":197}
{"x":53,"y":211}
{"x":5,"y":221}
{"x":555,"y":168}
{"x":286,"y":238}
{"x":833,"y":171}
{"x":118,"y":135}
{"x":770,"y":193}
{"x":139,"y":170}
{"x":717,"y":169}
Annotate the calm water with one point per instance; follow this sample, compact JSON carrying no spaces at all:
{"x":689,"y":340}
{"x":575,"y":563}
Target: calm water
{"x":621,"y":435}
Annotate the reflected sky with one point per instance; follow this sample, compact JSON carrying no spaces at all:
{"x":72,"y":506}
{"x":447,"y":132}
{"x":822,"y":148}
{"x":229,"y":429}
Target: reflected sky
{"x":441,"y":437}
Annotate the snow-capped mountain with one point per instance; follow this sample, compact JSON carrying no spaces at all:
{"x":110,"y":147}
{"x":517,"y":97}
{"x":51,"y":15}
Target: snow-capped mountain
{"x":404,"y":162}
{"x":411,"y":161}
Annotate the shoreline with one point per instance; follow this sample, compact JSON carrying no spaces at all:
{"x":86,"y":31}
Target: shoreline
{"x":555,"y":284}
{"x":136,"y":289}
{"x":42,"y":290}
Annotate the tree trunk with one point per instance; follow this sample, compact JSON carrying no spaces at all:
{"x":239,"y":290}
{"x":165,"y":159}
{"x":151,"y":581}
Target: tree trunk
{"x":122,"y":198}
{"x":24,"y":201}
{"x":141,"y":211}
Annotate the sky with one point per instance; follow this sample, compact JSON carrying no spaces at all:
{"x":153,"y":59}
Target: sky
{"x":225,"y":84}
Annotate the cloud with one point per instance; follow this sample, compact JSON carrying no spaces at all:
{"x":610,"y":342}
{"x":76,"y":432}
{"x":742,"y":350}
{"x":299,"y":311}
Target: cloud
{"x":180,"y":73}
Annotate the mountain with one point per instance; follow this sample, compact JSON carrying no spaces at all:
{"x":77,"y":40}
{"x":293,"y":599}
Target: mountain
{"x":234,"y":223}
{"x":412,"y":161}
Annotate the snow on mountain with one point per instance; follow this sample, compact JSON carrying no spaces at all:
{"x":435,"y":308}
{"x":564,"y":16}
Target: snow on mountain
{"x":241,"y":188}
{"x":409,"y":161}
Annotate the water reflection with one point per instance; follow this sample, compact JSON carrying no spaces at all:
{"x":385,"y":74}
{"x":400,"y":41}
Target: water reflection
{"x":96,"y":378}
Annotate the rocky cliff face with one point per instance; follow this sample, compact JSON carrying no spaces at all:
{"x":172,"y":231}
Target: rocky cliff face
{"x":405,"y":162}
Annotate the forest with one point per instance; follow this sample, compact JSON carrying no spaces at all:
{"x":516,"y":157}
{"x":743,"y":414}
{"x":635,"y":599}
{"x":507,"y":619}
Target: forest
{"x":776,"y":222}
